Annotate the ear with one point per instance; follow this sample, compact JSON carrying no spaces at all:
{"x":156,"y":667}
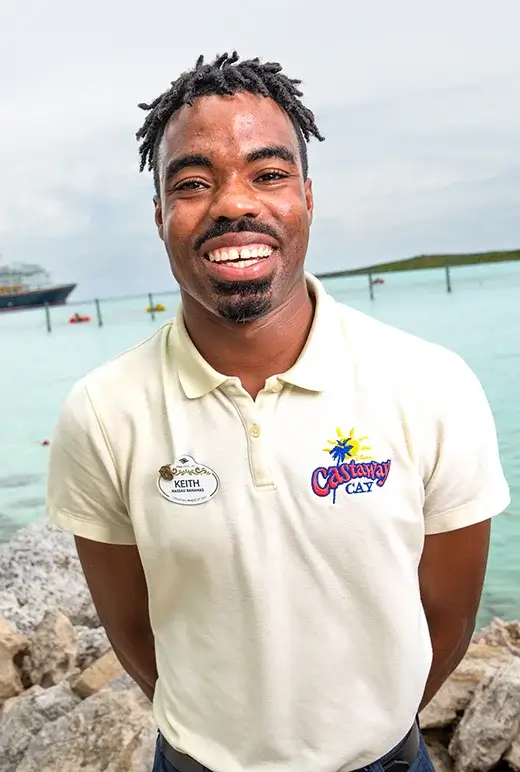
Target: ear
{"x":158,"y":216}
{"x":309,"y":199}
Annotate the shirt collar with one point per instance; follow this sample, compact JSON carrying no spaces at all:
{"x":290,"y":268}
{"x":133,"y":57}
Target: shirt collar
{"x":197,"y":376}
{"x":310,"y":371}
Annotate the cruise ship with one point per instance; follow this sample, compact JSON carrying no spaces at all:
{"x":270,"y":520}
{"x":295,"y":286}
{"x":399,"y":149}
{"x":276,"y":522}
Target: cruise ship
{"x":26,"y":285}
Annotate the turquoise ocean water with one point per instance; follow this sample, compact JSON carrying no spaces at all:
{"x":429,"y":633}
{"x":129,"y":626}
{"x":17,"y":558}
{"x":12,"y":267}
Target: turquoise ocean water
{"x":480,"y":320}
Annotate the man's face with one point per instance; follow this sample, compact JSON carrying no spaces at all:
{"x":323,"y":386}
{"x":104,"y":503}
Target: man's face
{"x":234,"y":210}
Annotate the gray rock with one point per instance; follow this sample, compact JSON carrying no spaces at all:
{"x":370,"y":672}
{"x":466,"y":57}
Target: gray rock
{"x":441,"y":759}
{"x":39,"y":572}
{"x":9,"y":607}
{"x":500,"y":633}
{"x":12,"y":701}
{"x":490,"y":723}
{"x":10,"y":680}
{"x":109,"y":731}
{"x":138,"y":755}
{"x":92,"y":643}
{"x":25,"y":719}
{"x":12,"y":648}
{"x":455,"y":694}
{"x":53,"y":651}
{"x":513,"y":755}
{"x":122,"y":683}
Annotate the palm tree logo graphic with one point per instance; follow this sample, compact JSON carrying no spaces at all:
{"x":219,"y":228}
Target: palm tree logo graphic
{"x":346,"y":447}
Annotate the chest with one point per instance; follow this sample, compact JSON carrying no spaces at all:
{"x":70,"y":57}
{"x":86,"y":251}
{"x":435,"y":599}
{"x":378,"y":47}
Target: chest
{"x":291,"y":471}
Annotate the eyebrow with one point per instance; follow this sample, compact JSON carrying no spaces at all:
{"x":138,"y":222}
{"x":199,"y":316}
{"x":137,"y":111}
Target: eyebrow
{"x":272,"y":151}
{"x":175,"y":165}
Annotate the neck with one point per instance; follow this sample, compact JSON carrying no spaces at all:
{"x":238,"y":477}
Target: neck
{"x":252,"y":351}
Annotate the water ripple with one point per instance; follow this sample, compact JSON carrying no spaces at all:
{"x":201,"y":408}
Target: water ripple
{"x":19,"y":480}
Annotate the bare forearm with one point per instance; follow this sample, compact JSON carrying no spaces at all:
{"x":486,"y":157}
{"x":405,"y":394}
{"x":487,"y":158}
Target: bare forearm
{"x":451,"y":575}
{"x":449,"y":647}
{"x":137,"y":656}
{"x":123,"y":611}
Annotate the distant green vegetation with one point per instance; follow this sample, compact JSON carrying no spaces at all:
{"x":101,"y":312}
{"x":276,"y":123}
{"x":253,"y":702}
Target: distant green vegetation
{"x":420,"y":262}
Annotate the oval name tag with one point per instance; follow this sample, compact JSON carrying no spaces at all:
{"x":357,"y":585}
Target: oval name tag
{"x":187,"y":482}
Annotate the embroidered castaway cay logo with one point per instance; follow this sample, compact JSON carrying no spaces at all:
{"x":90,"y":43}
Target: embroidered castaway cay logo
{"x":355,"y":468}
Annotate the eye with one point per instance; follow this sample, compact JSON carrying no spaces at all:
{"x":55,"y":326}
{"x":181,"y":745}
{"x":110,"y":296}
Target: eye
{"x":272,"y":176}
{"x":189,"y":185}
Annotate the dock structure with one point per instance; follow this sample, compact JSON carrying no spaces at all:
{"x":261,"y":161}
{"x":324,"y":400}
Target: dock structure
{"x":425,"y":262}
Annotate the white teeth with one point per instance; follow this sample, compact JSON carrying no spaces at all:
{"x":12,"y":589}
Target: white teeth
{"x":239,"y":255}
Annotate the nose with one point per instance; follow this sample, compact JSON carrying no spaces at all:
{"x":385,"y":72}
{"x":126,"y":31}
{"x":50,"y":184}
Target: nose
{"x":234,"y":200}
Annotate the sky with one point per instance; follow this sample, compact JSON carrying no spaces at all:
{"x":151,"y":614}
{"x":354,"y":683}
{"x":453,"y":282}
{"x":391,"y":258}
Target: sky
{"x":419,"y":102}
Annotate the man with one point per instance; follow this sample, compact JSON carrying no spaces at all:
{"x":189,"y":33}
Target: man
{"x":282,"y":506}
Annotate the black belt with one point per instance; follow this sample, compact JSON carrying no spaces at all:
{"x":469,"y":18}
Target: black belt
{"x":399,"y":759}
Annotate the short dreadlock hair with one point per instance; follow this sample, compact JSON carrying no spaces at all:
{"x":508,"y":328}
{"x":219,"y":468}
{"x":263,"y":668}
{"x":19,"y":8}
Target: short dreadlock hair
{"x":226,"y":75}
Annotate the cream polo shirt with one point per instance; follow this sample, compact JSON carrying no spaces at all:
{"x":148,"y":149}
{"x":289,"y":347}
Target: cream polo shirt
{"x":282,"y":538}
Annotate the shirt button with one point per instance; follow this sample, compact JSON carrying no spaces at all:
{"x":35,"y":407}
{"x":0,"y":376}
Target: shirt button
{"x":277,"y":388}
{"x":254,"y":430}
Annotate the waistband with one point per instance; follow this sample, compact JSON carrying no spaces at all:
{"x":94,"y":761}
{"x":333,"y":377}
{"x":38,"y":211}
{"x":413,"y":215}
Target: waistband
{"x":399,"y":759}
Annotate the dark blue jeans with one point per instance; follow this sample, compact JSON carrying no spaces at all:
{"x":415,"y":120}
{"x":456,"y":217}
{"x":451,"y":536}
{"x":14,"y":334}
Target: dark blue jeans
{"x":423,"y":763}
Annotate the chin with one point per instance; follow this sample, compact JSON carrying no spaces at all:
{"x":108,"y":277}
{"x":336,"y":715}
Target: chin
{"x":245,"y":310}
{"x":243,"y":301}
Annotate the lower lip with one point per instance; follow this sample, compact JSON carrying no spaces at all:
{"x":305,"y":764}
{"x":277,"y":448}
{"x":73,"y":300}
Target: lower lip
{"x":229,"y":272}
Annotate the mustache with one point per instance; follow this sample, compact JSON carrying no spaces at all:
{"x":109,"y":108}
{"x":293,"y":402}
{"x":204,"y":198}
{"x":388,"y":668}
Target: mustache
{"x":244,"y":225}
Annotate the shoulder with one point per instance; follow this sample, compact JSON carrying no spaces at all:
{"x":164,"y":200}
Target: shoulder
{"x":122,"y":383}
{"x":401,"y":359}
{"x":129,"y":371}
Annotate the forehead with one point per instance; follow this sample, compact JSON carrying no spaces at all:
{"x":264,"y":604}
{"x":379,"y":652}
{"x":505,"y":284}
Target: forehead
{"x":226,"y":126}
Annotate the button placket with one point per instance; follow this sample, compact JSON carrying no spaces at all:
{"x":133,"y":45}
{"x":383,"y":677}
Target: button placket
{"x":254,"y":418}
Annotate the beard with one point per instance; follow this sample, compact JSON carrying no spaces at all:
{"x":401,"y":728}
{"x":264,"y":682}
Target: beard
{"x":243,"y":301}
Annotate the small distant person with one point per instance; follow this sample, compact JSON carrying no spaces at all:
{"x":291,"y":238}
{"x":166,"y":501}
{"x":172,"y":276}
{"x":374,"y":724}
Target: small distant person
{"x":281,"y":505}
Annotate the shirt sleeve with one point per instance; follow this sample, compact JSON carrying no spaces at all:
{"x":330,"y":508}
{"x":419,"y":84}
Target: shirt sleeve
{"x":84,"y":493}
{"x":467,"y":483}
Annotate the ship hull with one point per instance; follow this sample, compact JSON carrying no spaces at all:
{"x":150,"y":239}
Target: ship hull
{"x":52,"y":296}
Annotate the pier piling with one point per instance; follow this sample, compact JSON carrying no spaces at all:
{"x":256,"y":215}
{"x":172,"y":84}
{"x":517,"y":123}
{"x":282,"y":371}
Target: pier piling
{"x":48,"y":317}
{"x":448,"y":278}
{"x":151,"y":306}
{"x":98,"y":313}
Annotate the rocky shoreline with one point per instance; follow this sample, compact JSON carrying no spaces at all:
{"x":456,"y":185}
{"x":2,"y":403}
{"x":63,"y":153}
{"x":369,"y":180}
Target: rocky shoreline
{"x":66,"y":704}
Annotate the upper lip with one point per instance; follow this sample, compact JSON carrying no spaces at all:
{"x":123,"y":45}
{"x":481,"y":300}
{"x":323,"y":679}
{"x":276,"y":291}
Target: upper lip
{"x":239,"y":240}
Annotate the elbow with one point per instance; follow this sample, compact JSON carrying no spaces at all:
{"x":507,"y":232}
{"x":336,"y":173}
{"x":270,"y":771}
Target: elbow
{"x":451,"y":636}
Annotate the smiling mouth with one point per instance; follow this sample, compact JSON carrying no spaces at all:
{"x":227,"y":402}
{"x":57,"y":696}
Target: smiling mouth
{"x":240,"y":257}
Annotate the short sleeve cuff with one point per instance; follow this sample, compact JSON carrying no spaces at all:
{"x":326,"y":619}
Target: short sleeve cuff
{"x":100,"y":532}
{"x":468,"y":514}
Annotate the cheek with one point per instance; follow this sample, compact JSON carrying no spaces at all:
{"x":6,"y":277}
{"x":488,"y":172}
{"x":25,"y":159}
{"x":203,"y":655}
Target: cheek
{"x":174,"y":223}
{"x":181,"y":219}
{"x":177,"y":239}
{"x":293,"y":213}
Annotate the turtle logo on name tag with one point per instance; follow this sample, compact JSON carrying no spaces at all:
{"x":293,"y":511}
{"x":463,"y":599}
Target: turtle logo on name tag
{"x":187,"y":482}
